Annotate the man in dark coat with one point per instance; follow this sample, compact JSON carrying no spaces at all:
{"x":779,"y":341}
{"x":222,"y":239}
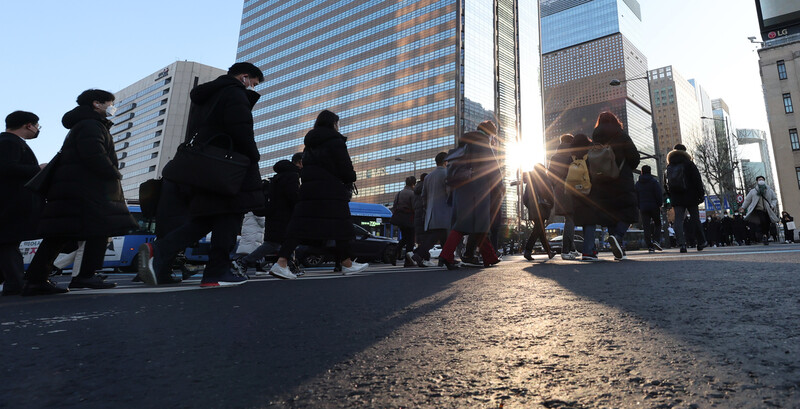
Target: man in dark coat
{"x":557,"y":171}
{"x":472,"y":201}
{"x":649,"y":192}
{"x":323,"y":211}
{"x":84,"y":198}
{"x":284,"y":189}
{"x":437,"y":216}
{"x":224,"y":106}
{"x":403,"y":217}
{"x":687,"y":199}
{"x":19,"y":207}
{"x":617,"y":197}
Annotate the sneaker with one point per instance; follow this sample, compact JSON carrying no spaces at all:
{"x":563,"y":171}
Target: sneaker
{"x":683,"y":249}
{"x":528,"y":256}
{"x":354,"y":268}
{"x":428,"y":263}
{"x":239,"y":266}
{"x":624,"y":257}
{"x":616,"y":249}
{"x":281,"y":272}
{"x":226,"y":280}
{"x":651,"y":250}
{"x":577,"y":254}
{"x":96,"y":282}
{"x":657,"y":246}
{"x":416,"y":260}
{"x":589,"y":257}
{"x":568,"y":256}
{"x":146,"y":271}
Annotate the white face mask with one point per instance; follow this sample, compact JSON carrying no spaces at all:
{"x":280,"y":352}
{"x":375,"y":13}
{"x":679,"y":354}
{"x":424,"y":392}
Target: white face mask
{"x":247,"y":84}
{"x":111,"y":110}
{"x":761,"y":182}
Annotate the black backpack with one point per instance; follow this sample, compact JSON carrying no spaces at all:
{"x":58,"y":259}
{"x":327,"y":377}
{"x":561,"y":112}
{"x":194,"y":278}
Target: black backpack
{"x":267,"y":187}
{"x":676,"y":178}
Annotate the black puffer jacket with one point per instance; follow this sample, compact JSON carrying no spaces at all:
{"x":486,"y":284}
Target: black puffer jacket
{"x":232,"y":116}
{"x":557,"y":171}
{"x":617,"y":197}
{"x":285,"y":193}
{"x":323,"y":212}
{"x":694,"y":193}
{"x":649,"y":191}
{"x":19,"y":207}
{"x":85,"y":198}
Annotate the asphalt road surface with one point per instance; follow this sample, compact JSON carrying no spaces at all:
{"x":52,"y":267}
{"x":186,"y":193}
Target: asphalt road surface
{"x":720,"y":328}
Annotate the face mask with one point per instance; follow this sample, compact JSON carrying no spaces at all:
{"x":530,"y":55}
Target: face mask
{"x":36,"y":135}
{"x":246,"y":82}
{"x":111,"y":110}
{"x":762,"y":183}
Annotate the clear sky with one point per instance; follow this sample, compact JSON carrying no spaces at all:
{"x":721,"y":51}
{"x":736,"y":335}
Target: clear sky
{"x":54,"y":49}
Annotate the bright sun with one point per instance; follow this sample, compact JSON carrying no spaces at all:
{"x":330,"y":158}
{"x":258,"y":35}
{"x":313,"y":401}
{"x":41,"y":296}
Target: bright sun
{"x":523,"y":155}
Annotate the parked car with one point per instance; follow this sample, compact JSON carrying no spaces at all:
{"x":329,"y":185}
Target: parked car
{"x":556,"y":244}
{"x":366,"y":247}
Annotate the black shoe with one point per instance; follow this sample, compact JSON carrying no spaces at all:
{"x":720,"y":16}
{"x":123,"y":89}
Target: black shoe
{"x":449,"y":265}
{"x":700,"y":247}
{"x":418,"y":260}
{"x":47,"y":287}
{"x":683,"y":249}
{"x":527,"y":256}
{"x":766,"y":242}
{"x":472,"y":261}
{"x":169,"y":279}
{"x":94,"y":282}
{"x":657,"y":246}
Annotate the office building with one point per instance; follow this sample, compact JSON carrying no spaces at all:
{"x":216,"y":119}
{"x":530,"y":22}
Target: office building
{"x":405,"y":77}
{"x":755,"y":165}
{"x":151,"y":119}
{"x":731,"y":176}
{"x":587,"y":44}
{"x":706,"y":110}
{"x":676,"y":111}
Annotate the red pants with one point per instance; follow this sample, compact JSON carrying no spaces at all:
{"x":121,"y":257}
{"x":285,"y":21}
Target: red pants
{"x":455,"y":237}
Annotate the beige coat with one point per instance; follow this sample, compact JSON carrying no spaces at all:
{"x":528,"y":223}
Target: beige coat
{"x":771,"y":200}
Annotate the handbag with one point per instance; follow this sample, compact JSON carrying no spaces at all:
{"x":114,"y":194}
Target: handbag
{"x":790,"y":225}
{"x":208,"y":167}
{"x":149,"y":196}
{"x":41,"y":181}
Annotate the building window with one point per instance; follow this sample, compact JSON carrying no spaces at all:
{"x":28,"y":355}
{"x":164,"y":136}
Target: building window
{"x":795,"y":141}
{"x":781,"y":70}
{"x":797,"y":170}
{"x":787,"y":103}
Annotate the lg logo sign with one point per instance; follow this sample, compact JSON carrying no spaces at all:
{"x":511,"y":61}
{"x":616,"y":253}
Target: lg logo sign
{"x":774,"y":34}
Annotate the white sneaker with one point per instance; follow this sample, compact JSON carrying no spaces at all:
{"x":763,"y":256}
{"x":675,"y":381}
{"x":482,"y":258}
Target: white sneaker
{"x":577,"y":254}
{"x":567,"y":256}
{"x":428,"y":263}
{"x":354,"y":268}
{"x":281,"y":272}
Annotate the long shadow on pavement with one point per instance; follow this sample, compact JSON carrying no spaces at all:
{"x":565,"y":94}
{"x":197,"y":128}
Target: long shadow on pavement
{"x":741,"y":312}
{"x":224,"y":348}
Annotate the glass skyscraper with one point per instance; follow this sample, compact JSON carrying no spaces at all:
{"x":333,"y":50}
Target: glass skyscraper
{"x":406,"y":77}
{"x":586,"y":44}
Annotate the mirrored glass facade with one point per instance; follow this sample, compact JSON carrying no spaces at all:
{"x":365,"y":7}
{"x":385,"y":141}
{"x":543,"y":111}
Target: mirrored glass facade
{"x":586,"y":45}
{"x":406,"y":77}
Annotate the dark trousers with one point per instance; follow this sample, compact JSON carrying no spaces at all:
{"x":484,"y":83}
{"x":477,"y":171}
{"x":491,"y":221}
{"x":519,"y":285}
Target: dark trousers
{"x":42,"y":264}
{"x":223,"y":228}
{"x":12,"y":267}
{"x":651,"y":224}
{"x":430,"y":238}
{"x":265,"y":249}
{"x":697,"y":228}
{"x":406,"y":240}
{"x":480,"y":240}
{"x":537,"y":233}
{"x":760,"y":223}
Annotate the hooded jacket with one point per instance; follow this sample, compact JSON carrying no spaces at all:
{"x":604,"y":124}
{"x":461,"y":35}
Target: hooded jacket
{"x":85,"y":197}
{"x":617,"y":198}
{"x":231,"y":115}
{"x":285,"y":193}
{"x":649,"y":192}
{"x":694,"y":193}
{"x":323,"y":212}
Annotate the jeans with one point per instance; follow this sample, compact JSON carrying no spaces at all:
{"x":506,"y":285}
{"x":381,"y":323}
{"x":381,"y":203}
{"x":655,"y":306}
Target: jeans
{"x":694,"y":213}
{"x":588,"y":239}
{"x":651,"y":224}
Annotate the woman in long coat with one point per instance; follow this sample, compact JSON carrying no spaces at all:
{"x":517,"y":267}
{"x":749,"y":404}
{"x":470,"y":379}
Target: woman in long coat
{"x":323,"y":212}
{"x":472,"y":201}
{"x":84,"y":200}
{"x":617,"y":198}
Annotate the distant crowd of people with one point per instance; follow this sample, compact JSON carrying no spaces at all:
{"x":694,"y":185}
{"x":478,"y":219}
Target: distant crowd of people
{"x":213,"y":185}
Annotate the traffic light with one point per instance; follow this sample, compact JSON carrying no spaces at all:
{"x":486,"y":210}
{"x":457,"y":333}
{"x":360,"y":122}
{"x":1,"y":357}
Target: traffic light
{"x":668,"y":202}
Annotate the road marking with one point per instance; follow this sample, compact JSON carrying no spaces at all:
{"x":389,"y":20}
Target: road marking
{"x":709,"y":254}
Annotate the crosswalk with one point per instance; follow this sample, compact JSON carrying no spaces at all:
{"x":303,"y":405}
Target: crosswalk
{"x":126,"y":285}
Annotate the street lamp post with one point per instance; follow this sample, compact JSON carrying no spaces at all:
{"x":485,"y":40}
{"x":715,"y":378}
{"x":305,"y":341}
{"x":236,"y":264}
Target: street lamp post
{"x":413,"y":163}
